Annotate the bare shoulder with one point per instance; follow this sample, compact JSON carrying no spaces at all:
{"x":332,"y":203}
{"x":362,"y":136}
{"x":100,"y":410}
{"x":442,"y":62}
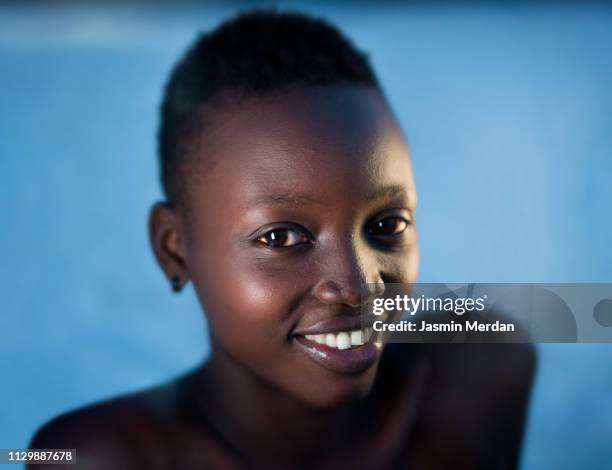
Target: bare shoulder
{"x":475,"y":400}
{"x":116,"y":432}
{"x":496,"y":364}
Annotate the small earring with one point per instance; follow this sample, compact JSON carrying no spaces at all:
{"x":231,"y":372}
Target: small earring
{"x":176,"y":284}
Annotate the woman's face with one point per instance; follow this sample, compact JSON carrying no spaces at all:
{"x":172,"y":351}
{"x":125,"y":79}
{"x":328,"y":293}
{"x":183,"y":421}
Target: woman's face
{"x":301,"y":201}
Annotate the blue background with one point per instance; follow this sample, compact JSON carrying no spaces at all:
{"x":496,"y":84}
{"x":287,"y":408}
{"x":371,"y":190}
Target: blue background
{"x":508,"y":110}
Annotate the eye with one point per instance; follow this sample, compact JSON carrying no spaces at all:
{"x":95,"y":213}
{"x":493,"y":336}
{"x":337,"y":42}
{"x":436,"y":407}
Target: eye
{"x":283,"y":238}
{"x":388,"y":226}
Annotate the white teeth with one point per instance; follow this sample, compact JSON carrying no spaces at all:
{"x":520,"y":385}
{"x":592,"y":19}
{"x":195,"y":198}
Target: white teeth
{"x":330,"y":340}
{"x":343,"y":340}
{"x":356,"y":338}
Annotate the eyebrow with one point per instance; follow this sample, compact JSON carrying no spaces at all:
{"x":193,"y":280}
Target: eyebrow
{"x":388,"y":192}
{"x":300,"y":200}
{"x":287,"y":198}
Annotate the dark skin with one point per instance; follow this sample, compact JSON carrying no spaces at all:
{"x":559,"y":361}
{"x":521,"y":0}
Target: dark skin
{"x":297,"y":203}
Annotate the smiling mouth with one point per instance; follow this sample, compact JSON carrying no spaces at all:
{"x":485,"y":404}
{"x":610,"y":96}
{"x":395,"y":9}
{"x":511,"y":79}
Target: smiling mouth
{"x":344,"y":352}
{"x":342,"y":339}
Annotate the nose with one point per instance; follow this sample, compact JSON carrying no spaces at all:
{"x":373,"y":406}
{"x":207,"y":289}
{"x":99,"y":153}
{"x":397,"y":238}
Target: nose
{"x":350,"y":277}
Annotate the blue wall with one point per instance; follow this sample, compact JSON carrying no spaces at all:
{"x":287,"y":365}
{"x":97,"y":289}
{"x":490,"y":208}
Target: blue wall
{"x":509,"y":114}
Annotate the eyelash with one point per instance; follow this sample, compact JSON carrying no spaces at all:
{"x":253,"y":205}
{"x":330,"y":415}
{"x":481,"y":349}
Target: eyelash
{"x":402,"y":221}
{"x":301,"y":233}
{"x":280,"y":235}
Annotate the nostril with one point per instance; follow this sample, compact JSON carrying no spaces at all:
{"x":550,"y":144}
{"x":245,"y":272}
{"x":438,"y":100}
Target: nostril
{"x":328,"y":292}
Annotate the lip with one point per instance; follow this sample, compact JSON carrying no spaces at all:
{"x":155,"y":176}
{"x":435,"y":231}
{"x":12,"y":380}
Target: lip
{"x":331,"y":325}
{"x":344,"y":361}
{"x":339,"y":323}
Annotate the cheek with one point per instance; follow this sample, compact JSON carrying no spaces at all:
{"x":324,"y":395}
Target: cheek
{"x":411,"y":268}
{"x":401,"y":268}
{"x":248,"y":301}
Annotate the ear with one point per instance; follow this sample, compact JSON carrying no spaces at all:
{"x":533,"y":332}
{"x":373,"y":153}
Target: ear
{"x":167,"y":241}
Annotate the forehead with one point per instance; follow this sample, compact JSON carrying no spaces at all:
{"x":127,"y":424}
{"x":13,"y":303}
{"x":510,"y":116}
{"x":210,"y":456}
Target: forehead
{"x":312,"y":142}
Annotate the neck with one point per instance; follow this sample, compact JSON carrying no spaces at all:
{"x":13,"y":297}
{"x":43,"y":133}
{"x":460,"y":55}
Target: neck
{"x":260,"y":422}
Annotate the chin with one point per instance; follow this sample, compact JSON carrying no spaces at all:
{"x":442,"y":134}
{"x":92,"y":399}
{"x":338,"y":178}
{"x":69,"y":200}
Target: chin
{"x":333,"y":392}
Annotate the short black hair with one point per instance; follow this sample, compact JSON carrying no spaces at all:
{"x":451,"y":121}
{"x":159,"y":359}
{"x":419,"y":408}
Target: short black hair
{"x":255,"y":53}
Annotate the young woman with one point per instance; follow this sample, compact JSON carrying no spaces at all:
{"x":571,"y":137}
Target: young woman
{"x":289,"y":191}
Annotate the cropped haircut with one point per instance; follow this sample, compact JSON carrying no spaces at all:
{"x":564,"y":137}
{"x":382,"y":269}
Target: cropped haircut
{"x":255,"y":53}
